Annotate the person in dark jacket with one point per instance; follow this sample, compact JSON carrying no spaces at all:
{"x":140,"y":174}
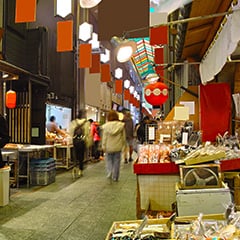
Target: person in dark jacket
{"x":129,"y":137}
{"x":141,"y":130}
{"x":4,"y":137}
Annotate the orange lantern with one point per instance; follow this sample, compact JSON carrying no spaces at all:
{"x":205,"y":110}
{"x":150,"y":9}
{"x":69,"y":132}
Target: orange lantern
{"x":11,"y":98}
{"x":156,"y":93}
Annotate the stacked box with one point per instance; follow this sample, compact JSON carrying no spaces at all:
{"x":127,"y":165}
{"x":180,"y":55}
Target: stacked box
{"x":42,"y":171}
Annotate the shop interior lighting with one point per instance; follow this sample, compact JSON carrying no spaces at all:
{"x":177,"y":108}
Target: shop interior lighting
{"x":118,"y":73}
{"x":89,"y":3}
{"x":124,"y":49}
{"x":64,"y":7}
{"x":126,"y":84}
{"x":105,"y":57}
{"x":85,"y":31}
{"x":5,"y":75}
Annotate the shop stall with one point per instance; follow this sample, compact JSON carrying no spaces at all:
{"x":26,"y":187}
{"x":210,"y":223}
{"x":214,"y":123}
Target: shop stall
{"x":168,"y":170}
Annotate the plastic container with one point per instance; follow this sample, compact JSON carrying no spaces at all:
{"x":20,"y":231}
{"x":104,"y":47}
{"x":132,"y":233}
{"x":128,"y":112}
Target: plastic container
{"x":4,"y":186}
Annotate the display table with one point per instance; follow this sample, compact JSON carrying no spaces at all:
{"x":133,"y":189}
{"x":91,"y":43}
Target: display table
{"x":155,"y":186}
{"x":23,"y":154}
{"x":63,"y":156}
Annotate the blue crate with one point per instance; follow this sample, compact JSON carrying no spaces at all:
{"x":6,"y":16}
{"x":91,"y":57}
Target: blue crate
{"x":44,"y":164}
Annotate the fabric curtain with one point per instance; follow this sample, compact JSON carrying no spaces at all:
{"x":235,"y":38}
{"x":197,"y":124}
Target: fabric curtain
{"x":215,"y":110}
{"x":223,"y":47}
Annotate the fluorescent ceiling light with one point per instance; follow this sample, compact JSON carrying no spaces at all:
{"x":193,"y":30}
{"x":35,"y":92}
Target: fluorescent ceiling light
{"x":89,"y":3}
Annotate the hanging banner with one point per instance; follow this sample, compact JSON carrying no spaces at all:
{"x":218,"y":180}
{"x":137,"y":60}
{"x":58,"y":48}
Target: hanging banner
{"x":126,"y":94}
{"x":158,"y":55}
{"x":64,"y":36}
{"x":25,"y":11}
{"x":159,"y":70}
{"x":85,"y":55}
{"x":215,"y":110}
{"x":105,"y":73}
{"x":118,"y":86}
{"x":96,"y":64}
{"x":159,"y":35}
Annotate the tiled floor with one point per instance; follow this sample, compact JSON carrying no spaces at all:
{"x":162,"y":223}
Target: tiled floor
{"x":83,"y":209}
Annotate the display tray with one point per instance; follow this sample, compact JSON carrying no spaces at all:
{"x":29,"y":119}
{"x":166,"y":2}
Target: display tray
{"x":155,"y":168}
{"x":126,"y":228}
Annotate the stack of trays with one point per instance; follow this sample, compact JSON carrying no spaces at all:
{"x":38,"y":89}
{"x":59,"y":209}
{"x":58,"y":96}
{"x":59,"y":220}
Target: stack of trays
{"x":42,"y":171}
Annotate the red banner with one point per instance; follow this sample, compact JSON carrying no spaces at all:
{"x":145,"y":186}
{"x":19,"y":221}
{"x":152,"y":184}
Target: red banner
{"x":25,"y":11}
{"x":64,"y":36}
{"x":215,"y":110}
{"x":96,"y":64}
{"x":105,"y":73}
{"x":85,"y":55}
{"x":118,"y":86}
{"x":159,"y":35}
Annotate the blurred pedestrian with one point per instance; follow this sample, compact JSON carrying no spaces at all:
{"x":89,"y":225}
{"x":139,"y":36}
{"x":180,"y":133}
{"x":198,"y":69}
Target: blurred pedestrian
{"x":95,"y":131}
{"x":113,"y":142}
{"x":127,"y":119}
{"x":80,"y":141}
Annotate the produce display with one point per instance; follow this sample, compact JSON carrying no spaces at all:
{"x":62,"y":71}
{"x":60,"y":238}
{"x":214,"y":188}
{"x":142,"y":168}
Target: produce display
{"x":52,"y":138}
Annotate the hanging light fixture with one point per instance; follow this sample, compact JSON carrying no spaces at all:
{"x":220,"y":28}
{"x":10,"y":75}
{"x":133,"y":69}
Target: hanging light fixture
{"x":124,"y":48}
{"x":89,"y":3}
{"x":85,"y":31}
{"x":11,"y":99}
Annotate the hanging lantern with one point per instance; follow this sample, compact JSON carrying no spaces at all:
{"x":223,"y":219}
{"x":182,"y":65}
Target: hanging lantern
{"x":11,"y":98}
{"x":156,"y":93}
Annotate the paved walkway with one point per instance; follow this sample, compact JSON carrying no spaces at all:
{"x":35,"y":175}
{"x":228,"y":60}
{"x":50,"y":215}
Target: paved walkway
{"x":83,"y":209}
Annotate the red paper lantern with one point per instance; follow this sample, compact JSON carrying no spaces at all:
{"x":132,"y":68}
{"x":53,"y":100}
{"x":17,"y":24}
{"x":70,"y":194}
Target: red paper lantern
{"x":156,"y":93}
{"x":11,"y":98}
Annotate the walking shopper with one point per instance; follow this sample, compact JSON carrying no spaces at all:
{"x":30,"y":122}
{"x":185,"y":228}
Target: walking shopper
{"x":113,"y":142}
{"x":4,"y":137}
{"x":79,"y":130}
{"x":129,"y":137}
{"x":95,"y":131}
